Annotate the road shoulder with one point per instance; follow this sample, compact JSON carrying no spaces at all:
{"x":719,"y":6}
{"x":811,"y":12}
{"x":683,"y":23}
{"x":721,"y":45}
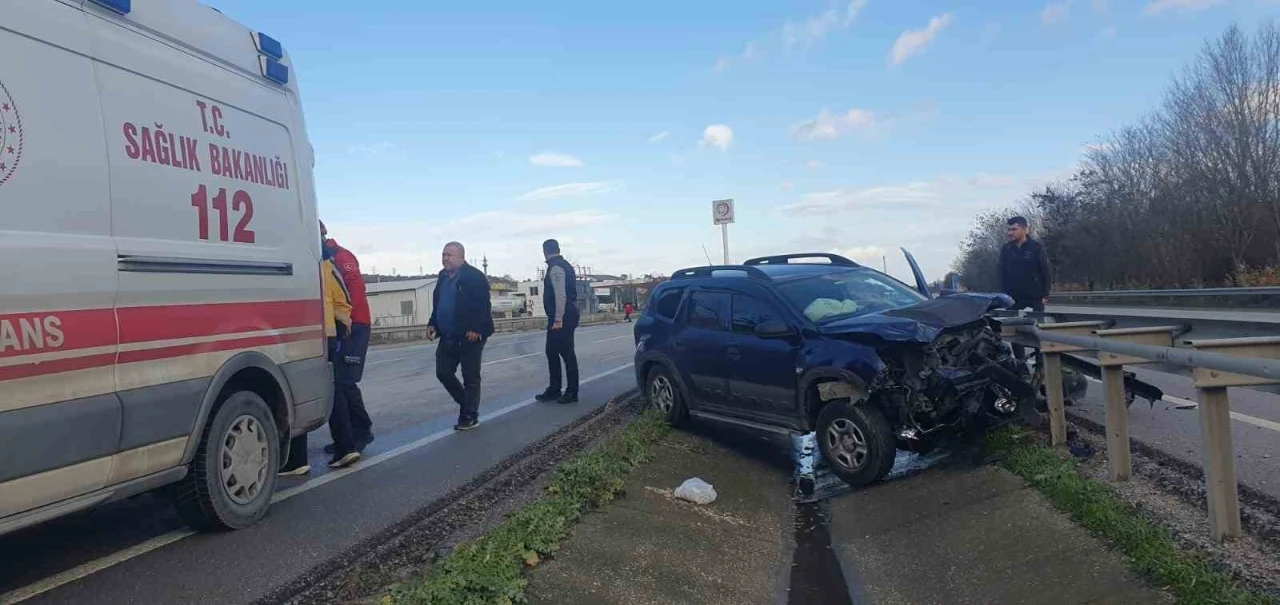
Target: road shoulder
{"x":652,"y":548}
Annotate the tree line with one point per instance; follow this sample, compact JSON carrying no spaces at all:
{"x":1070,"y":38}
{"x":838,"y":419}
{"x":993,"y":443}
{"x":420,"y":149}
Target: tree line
{"x":1188,"y":196}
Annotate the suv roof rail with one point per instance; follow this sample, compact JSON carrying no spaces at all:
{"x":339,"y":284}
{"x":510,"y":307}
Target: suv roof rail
{"x":785,"y":259}
{"x":693,"y":272}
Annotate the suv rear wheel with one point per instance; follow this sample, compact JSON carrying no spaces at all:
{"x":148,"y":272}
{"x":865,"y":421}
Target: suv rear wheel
{"x":663,"y":393}
{"x":233,"y":476}
{"x":856,"y":442}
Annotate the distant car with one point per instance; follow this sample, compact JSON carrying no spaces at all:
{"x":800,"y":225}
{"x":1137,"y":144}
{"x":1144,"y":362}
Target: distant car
{"x":865,"y":360}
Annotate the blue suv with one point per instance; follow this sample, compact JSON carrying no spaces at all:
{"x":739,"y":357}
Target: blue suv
{"x":788,"y":345}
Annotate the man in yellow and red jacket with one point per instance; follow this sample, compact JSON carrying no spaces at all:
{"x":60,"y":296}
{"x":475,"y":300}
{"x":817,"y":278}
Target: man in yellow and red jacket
{"x":355,"y":344}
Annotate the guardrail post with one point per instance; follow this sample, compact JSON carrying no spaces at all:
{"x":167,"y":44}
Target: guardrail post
{"x":1057,"y":407}
{"x":1218,"y":452}
{"x":1053,"y":372}
{"x":1119,"y":458}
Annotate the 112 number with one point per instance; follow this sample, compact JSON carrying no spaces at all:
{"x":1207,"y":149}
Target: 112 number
{"x":240,"y":202}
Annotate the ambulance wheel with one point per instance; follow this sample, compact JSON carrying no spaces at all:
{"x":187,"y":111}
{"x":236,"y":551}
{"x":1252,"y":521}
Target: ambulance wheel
{"x":233,"y":475}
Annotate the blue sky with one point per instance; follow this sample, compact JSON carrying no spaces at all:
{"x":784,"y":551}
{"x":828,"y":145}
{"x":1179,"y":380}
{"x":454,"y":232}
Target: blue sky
{"x":855,"y":127}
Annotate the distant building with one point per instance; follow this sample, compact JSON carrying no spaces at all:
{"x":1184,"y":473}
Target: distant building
{"x":401,"y":303}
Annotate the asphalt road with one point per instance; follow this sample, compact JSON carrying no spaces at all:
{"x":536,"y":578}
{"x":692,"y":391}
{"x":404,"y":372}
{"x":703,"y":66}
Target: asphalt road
{"x":137,"y":551}
{"x":1173,"y":425}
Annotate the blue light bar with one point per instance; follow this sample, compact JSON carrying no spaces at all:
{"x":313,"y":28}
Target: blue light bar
{"x":268,"y":46}
{"x":120,"y":6}
{"x":274,"y":70}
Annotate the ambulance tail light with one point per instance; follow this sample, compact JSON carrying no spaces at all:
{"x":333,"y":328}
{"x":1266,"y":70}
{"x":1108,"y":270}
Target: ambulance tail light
{"x":274,"y":70}
{"x":120,"y":6}
{"x":268,"y":46}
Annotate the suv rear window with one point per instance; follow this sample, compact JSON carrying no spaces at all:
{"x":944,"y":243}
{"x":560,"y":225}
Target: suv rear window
{"x":668,"y":303}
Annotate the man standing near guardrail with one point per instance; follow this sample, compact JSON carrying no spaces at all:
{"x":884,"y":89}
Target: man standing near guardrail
{"x":560,"y":300}
{"x":1024,"y":268}
{"x":462,"y":315}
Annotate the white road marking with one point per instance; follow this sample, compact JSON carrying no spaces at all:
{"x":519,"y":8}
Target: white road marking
{"x":511,"y":358}
{"x":612,"y":339}
{"x":87,"y":569}
{"x":1187,"y":404}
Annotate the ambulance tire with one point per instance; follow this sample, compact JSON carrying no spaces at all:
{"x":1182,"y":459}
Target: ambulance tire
{"x":233,"y":476}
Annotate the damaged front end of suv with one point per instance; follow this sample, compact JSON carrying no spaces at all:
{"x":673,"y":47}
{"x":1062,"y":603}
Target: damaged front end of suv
{"x":925,"y":372}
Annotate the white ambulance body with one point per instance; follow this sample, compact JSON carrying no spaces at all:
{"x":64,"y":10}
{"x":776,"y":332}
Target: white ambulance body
{"x":161,"y":322}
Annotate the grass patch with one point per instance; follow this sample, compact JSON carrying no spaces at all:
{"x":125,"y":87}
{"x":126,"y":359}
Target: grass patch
{"x":1152,"y":551}
{"x":491,"y":568}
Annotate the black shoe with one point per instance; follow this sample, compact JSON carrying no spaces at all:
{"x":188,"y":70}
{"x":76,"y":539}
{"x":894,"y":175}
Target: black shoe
{"x":547,"y":395}
{"x":568,"y":398}
{"x":466,"y":425}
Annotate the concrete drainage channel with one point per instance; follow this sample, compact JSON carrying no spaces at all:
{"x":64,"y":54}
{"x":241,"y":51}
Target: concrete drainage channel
{"x":406,"y":547}
{"x":817,"y":575}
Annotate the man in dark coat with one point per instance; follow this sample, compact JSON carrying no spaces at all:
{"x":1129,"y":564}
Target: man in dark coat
{"x":560,"y":301}
{"x":462,"y":316}
{"x":1024,"y":268}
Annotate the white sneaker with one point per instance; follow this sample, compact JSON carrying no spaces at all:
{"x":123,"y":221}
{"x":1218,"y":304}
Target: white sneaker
{"x":297,"y":472}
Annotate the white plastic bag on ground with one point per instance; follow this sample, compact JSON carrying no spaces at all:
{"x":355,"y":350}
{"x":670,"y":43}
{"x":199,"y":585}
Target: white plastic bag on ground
{"x":697,"y":491}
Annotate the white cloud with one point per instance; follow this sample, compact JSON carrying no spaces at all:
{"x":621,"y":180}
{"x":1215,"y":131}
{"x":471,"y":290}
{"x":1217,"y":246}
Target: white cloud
{"x":1156,"y":7}
{"x":829,"y":125}
{"x":660,"y":137}
{"x":864,"y":254}
{"x":914,"y":42}
{"x":552,"y":159}
{"x":556,"y":192}
{"x":816,"y":27}
{"x":371,"y":149}
{"x":813,"y":164}
{"x":750,"y":53}
{"x":788,"y":185}
{"x":717,"y":135}
{"x":841,"y":200}
{"x":1055,"y":12}
{"x":1095,"y":147}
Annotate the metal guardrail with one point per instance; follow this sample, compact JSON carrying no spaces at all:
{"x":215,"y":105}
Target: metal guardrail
{"x":1216,"y":365}
{"x":1267,"y":297}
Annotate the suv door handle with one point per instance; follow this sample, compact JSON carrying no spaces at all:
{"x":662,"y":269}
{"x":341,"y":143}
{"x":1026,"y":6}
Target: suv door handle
{"x":678,"y":344}
{"x":733,"y":352}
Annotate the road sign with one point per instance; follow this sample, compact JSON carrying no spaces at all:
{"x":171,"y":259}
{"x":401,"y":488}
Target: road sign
{"x":722,"y":212}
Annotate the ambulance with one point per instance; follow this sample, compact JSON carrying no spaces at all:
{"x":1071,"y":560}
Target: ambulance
{"x":161,"y":322}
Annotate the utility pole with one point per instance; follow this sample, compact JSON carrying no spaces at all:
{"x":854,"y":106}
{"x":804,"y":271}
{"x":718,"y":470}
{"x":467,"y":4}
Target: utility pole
{"x":884,"y":264}
{"x":485,"y":263}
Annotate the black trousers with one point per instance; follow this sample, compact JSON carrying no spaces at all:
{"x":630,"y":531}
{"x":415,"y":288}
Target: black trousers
{"x":340,"y":427}
{"x":1035,"y":305}
{"x":560,"y":347}
{"x":347,"y":375}
{"x":454,"y":352}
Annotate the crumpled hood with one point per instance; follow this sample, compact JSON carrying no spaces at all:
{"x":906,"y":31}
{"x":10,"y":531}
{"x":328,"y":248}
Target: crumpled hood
{"x":921,"y":322}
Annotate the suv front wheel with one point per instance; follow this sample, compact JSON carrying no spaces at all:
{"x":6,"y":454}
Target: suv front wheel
{"x":856,"y":442}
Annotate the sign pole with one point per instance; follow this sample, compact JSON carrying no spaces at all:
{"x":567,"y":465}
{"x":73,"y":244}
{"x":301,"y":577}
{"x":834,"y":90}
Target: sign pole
{"x":724,"y":235}
{"x":722,"y":214}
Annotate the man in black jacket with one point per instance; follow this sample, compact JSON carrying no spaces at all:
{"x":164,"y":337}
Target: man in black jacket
{"x":461,"y":315}
{"x":1024,"y":268}
{"x":560,"y":301}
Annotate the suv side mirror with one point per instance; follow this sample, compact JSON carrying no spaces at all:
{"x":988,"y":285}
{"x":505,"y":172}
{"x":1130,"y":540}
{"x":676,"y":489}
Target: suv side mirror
{"x":774,"y":328}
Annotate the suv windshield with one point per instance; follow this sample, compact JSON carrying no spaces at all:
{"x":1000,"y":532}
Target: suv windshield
{"x":847,"y":294}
